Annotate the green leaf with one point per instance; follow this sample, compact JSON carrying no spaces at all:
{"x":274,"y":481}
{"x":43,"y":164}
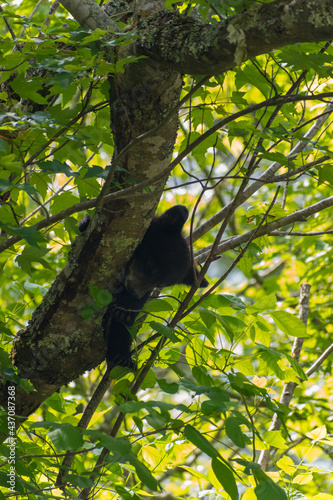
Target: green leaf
{"x":298,"y":369}
{"x":280,"y":158}
{"x":35,"y":288}
{"x":265,"y":303}
{"x":96,"y":171}
{"x":246,"y":263}
{"x":121,"y":386}
{"x":200,"y":441}
{"x":30,"y":255}
{"x":102,"y":297}
{"x":27,"y":89}
{"x":209,"y":407}
{"x":8,"y":162}
{"x":226,"y":299}
{"x":10,"y":375}
{"x":168,"y":388}
{"x":271,"y":357}
{"x":249,"y":75}
{"x":57,"y":167}
{"x":64,"y":79}
{"x":30,"y":234}
{"x":289,"y":324}
{"x":88,"y":310}
{"x":63,"y":201}
{"x":326,"y":174}
{"x":233,"y":431}
{"x":126,"y":493}
{"x":5,"y":184}
{"x":169,"y":3}
{"x":164,"y":330}
{"x":236,"y":324}
{"x":267,"y":489}
{"x":243,"y":386}
{"x":274,"y":438}
{"x":225,"y":476}
{"x":146,"y":476}
{"x":200,"y":374}
{"x":207,"y":316}
{"x":158,"y":305}
{"x":135,"y":406}
{"x":120,"y":446}
{"x":149,"y":381}
{"x":81,"y":482}
{"x":299,"y":58}
{"x":66,"y":437}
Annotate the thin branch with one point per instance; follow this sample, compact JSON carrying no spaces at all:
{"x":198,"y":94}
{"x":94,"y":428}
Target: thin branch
{"x":319,"y":361}
{"x":58,"y":191}
{"x":10,"y":29}
{"x":136,"y":386}
{"x":102,"y":198}
{"x":30,"y":17}
{"x":228,"y":244}
{"x":82,"y":113}
{"x":212,"y":254}
{"x":237,"y":241}
{"x":299,"y":233}
{"x":52,"y":10}
{"x":300,"y":170}
{"x":84,"y":205}
{"x":289,"y":388}
{"x":84,"y":421}
{"x":268,"y":175}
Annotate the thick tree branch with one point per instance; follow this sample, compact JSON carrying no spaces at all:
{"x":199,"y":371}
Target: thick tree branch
{"x":191,"y":47}
{"x":195,"y":48}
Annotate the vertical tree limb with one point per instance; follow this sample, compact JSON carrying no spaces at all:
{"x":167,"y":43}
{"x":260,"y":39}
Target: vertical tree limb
{"x":289,"y":388}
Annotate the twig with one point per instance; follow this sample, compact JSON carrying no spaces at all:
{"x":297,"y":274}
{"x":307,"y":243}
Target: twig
{"x":76,"y":118}
{"x":299,"y":233}
{"x":231,"y":267}
{"x":58,"y":191}
{"x":52,"y":10}
{"x":319,"y":361}
{"x":268,"y":175}
{"x":10,"y":29}
{"x":136,"y":386}
{"x":30,"y":17}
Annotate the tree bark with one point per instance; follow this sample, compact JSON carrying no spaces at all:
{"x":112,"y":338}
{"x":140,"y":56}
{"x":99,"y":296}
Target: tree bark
{"x":192,"y":47}
{"x":58,"y":345}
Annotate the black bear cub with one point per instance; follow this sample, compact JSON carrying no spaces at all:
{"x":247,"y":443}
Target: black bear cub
{"x":161,"y":259}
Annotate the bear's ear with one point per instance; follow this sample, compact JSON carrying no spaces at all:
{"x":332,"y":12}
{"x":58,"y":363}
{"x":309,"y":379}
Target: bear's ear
{"x":174,"y":218}
{"x":84,"y":223}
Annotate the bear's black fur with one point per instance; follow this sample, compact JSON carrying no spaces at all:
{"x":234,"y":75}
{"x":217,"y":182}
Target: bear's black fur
{"x":161,"y":259}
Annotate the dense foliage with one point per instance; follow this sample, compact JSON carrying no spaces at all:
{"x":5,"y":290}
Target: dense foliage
{"x":194,"y":420}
